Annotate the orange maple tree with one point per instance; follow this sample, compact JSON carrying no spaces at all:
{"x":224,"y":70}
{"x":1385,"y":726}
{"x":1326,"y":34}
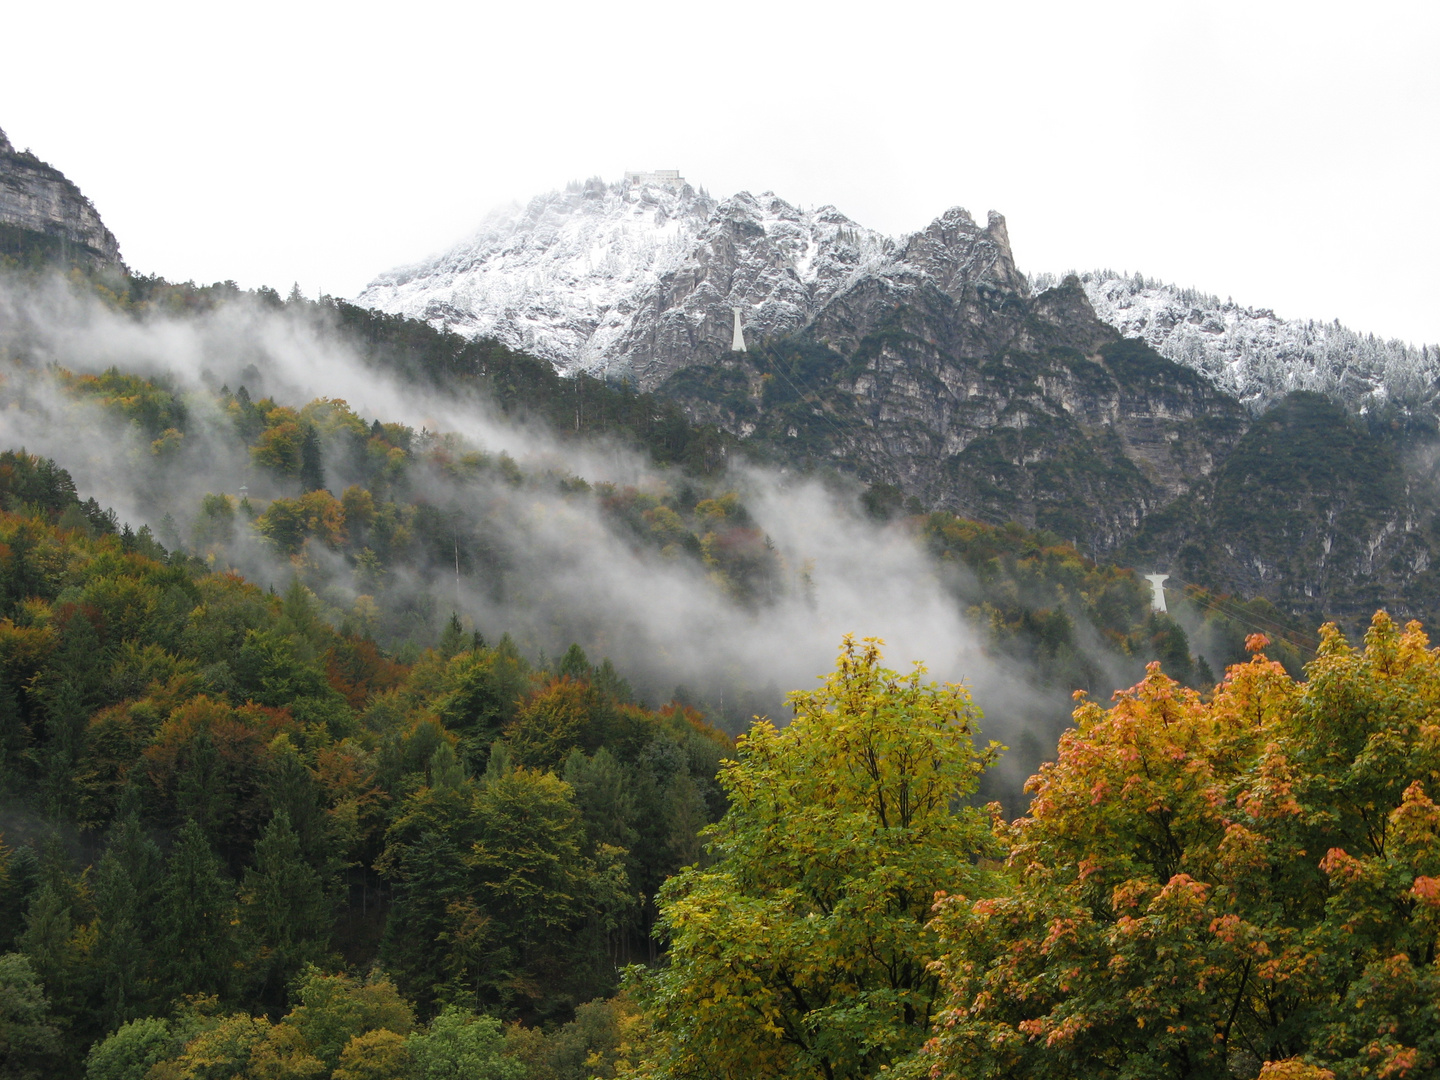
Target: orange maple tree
{"x":1245,"y":886}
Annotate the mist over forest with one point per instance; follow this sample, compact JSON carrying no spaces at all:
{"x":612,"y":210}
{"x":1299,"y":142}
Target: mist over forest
{"x":511,"y":525}
{"x":535,"y":561}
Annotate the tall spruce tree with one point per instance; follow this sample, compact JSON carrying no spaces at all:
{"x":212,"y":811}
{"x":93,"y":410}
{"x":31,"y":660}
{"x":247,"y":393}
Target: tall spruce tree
{"x":119,"y":947}
{"x":30,"y":1045}
{"x":47,"y":940}
{"x":285,"y":908}
{"x":71,"y":688}
{"x":125,"y":893}
{"x":197,"y":906}
{"x":312,"y":466}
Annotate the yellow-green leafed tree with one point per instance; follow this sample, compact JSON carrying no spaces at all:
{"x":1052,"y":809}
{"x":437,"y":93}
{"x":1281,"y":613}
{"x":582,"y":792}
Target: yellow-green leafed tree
{"x":341,"y":1026}
{"x":802,"y":949}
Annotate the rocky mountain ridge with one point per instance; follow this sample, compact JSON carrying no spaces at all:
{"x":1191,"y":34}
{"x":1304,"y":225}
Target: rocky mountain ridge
{"x":636,"y":280}
{"x":42,"y":211}
{"x":1260,"y":357}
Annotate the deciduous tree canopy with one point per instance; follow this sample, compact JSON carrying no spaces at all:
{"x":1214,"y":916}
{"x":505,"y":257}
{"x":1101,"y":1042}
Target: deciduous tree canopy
{"x":1202,"y":887}
{"x":803,"y":949}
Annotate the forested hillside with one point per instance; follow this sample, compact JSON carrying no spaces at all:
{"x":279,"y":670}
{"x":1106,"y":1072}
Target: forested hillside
{"x":212,"y":787}
{"x":207,"y":788}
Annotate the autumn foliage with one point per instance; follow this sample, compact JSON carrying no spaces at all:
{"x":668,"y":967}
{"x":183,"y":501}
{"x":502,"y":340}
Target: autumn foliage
{"x":1245,"y":886}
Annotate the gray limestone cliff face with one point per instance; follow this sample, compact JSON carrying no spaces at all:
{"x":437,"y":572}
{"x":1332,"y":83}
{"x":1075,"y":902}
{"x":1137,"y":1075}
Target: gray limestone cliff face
{"x":953,"y":257}
{"x":775,"y":262}
{"x":790,"y":272}
{"x":946,"y":379}
{"x":41,"y":209}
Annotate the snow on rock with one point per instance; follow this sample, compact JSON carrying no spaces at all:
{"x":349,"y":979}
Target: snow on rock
{"x":554,"y":276}
{"x":1257,"y":356}
{"x":640,"y":278}
{"x":592,"y":276}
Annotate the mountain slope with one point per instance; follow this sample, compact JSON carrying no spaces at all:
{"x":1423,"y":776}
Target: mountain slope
{"x":928,"y":369}
{"x":1259,"y":357}
{"x":986,"y":402}
{"x":1117,"y":413}
{"x":1313,"y":509}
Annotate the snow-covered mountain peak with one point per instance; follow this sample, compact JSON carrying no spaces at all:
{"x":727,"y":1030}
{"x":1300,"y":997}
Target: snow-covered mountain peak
{"x":580,"y":276}
{"x":539,"y":276}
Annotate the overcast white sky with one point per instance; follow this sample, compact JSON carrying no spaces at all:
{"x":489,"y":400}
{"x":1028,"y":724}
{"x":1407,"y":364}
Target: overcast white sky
{"x":1281,"y":153}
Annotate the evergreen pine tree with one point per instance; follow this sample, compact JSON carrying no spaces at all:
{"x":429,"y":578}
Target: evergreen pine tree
{"x":445,"y":768}
{"x":119,"y":949}
{"x":19,"y":879}
{"x":609,"y":682}
{"x":602,"y":792}
{"x":197,"y":901}
{"x":294,"y":794}
{"x":452,"y":638}
{"x":312,"y":467}
{"x":201,"y":794}
{"x":286,"y":909}
{"x":71,"y":688}
{"x":13,"y":739}
{"x":575,"y":664}
{"x":125,"y":891}
{"x":46,"y":940}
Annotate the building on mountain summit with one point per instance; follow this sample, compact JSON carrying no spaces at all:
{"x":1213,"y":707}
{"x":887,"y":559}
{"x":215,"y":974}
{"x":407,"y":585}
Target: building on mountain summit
{"x":666,"y":178}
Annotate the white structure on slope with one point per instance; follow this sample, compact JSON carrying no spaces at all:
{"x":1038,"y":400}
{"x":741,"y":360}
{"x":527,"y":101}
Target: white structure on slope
{"x":737,"y":341}
{"x":1157,"y":590}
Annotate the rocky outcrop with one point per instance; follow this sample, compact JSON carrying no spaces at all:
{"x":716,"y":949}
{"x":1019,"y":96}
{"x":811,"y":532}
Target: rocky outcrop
{"x":775,"y":262}
{"x":42,"y":211}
